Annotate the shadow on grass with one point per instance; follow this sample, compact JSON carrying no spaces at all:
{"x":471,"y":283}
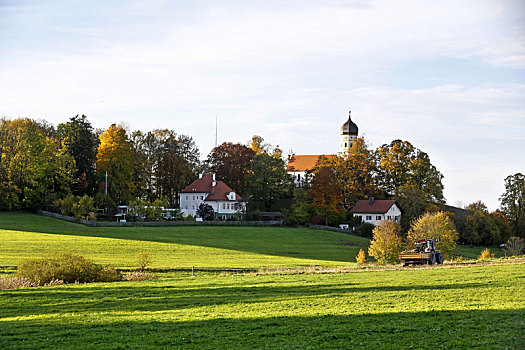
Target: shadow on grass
{"x":157,"y":297}
{"x":480,"y":329}
{"x":299,"y":243}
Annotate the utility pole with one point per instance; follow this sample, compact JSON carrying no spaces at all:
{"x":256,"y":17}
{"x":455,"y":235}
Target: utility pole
{"x":215,"y":130}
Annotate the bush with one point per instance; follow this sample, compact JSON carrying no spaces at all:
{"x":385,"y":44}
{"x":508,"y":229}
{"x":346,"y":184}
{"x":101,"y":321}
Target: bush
{"x":435,"y":225}
{"x":486,"y":255}
{"x":515,"y":246}
{"x":254,"y":215}
{"x":14,"y":282}
{"x":66,"y":205}
{"x":140,"y":276}
{"x":365,"y":229}
{"x":66,"y":267}
{"x":361,"y":257}
{"x":83,"y":206}
{"x":387,"y":243}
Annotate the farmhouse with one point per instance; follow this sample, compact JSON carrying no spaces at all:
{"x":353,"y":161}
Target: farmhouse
{"x":300,"y":167}
{"x":224,"y":201}
{"x":372,"y":211}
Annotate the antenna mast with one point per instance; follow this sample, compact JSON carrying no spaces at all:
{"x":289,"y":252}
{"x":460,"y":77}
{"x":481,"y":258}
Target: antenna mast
{"x":215,"y":130}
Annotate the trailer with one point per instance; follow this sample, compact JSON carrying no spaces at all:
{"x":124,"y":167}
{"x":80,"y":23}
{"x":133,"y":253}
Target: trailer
{"x":424,"y":253}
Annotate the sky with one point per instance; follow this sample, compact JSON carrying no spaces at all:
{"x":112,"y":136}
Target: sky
{"x":447,"y":76}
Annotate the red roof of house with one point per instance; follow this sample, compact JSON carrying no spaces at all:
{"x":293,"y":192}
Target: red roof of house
{"x":376,"y":207}
{"x":305,"y":162}
{"x":220,"y":193}
{"x":205,"y":185}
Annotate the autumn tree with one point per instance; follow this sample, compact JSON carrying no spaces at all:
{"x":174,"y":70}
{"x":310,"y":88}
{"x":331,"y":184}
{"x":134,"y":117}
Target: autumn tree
{"x":386,"y":243}
{"x":231,"y":164}
{"x":435,"y":225}
{"x":115,"y":156}
{"x":513,"y":203}
{"x":355,"y":173}
{"x":326,"y":192}
{"x":257,"y":144}
{"x":268,"y":180}
{"x":80,"y":141}
{"x":400,"y":163}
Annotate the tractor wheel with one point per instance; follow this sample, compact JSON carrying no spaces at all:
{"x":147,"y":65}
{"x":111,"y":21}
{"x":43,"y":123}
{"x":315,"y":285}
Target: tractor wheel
{"x":439,"y":258}
{"x":432,"y":260}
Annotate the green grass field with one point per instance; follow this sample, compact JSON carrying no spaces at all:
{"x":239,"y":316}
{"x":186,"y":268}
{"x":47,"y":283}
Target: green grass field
{"x":481,"y":306}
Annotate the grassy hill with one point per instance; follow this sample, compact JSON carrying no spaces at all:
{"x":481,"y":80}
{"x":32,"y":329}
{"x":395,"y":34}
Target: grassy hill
{"x":446,"y":307}
{"x":480,"y":307}
{"x":31,"y":235}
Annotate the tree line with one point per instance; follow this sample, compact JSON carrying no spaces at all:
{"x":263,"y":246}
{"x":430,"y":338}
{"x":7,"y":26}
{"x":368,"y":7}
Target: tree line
{"x":41,"y":165}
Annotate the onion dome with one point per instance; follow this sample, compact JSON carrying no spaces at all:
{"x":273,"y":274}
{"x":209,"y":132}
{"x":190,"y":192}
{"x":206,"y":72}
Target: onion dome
{"x":349,"y":128}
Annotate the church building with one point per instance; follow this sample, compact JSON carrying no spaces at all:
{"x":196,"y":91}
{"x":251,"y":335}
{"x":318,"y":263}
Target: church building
{"x":301,"y":167}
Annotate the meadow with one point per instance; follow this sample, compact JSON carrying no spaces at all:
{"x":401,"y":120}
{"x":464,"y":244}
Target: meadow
{"x":479,"y":306}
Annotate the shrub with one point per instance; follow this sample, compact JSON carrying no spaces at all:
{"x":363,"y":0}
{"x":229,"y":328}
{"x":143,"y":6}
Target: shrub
{"x":254,"y":215}
{"x":83,"y":206}
{"x":515,"y":246}
{"x":386,"y":244}
{"x":205,"y":211}
{"x":14,"y":282}
{"x":66,"y":267}
{"x":140,"y":276}
{"x":144,"y":260}
{"x":361,"y":257}
{"x":365,"y":229}
{"x":66,"y":205}
{"x":486,"y":255}
{"x":435,"y":225}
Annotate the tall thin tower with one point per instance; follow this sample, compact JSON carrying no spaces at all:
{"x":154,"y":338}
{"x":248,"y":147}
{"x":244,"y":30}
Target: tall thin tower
{"x":215,"y":130}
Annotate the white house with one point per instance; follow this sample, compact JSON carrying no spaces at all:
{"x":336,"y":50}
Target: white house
{"x":224,"y":201}
{"x":372,"y":211}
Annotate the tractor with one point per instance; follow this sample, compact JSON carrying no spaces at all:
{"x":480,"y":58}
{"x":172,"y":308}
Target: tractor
{"x":424,"y":253}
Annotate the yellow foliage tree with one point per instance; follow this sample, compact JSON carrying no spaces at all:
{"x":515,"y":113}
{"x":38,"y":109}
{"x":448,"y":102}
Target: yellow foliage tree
{"x":361,"y":257}
{"x":386,"y":243}
{"x":115,"y":155}
{"x":435,"y":225}
{"x":325,"y":192}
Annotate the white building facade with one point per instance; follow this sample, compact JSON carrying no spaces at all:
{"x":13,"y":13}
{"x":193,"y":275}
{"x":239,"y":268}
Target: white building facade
{"x":224,"y":201}
{"x":373,"y":211}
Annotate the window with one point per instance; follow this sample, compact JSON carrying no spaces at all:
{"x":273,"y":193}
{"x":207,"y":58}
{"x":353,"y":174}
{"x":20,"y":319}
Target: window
{"x":298,"y":177}
{"x":369,"y":217}
{"x":345,"y":144}
{"x":193,"y":197}
{"x":193,"y":207}
{"x":228,"y":206}
{"x":186,"y":199}
{"x":389,"y":217}
{"x":202,"y":197}
{"x":186,"y":207}
{"x":223,"y":206}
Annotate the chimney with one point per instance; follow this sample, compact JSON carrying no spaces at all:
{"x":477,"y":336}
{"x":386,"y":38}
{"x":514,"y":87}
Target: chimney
{"x":371,"y":200}
{"x":200,"y":176}
{"x":214,"y":182}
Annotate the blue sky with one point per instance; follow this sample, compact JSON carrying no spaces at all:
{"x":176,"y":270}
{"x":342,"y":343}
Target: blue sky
{"x":448,"y":76}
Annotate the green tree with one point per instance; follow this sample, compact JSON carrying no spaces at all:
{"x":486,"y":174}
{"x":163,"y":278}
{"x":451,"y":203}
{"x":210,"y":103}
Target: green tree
{"x":115,"y":155}
{"x":400,"y":163}
{"x":386,"y":243}
{"x":269,"y":180}
{"x":513,"y":203}
{"x":205,"y":211}
{"x":83,"y":207}
{"x":80,"y":141}
{"x":435,"y":225}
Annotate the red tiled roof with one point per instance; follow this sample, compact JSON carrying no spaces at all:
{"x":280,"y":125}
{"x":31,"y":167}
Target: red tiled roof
{"x":220,"y":192}
{"x":377,"y":207}
{"x":205,"y":185}
{"x":305,"y":162}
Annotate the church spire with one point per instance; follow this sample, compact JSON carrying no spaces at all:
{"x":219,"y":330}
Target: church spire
{"x":349,"y":131}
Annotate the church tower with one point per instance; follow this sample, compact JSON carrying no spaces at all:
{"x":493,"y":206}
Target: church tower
{"x":348,"y":134}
